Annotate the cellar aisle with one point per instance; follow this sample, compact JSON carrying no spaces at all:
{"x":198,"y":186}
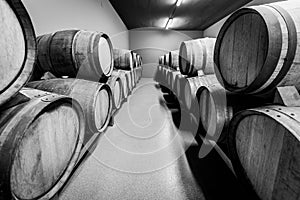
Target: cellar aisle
{"x":144,"y":156}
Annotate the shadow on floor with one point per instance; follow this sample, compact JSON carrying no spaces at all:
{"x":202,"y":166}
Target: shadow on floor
{"x":211,"y":173}
{"x":214,"y":177}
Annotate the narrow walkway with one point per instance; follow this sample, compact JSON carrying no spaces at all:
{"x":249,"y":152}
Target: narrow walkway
{"x":143,"y":156}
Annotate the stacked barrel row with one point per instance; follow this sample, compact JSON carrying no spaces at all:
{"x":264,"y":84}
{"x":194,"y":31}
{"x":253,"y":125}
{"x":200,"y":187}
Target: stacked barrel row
{"x":57,"y":92}
{"x":244,"y":91}
{"x":127,"y":66}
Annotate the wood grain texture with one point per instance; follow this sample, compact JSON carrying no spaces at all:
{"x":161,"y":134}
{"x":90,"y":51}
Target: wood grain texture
{"x":116,"y":87}
{"x":61,"y":53}
{"x":94,"y":98}
{"x":193,"y":84}
{"x":74,"y":53}
{"x":18,"y":48}
{"x":214,"y":113}
{"x":197,"y":55}
{"x":217,"y":107}
{"x":265,"y":148}
{"x":40,"y":144}
{"x":92,"y":53}
{"x":258,"y":48}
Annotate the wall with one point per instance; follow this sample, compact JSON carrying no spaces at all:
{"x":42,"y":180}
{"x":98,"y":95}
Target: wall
{"x":151,"y":43}
{"x":95,"y":15}
{"x":213,"y":30}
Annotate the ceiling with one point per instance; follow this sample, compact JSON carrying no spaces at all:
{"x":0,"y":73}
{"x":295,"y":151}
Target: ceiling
{"x":191,"y":15}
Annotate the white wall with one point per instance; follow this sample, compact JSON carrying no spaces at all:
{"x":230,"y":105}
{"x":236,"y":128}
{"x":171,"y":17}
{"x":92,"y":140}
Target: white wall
{"x":95,"y":15}
{"x":151,"y":43}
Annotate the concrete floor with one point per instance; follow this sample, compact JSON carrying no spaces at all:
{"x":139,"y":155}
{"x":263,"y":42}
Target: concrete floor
{"x":144,"y":156}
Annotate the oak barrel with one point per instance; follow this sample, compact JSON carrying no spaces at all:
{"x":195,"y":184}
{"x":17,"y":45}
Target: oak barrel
{"x":123,"y":59}
{"x":134,"y":59}
{"x":173,"y":79}
{"x":174,"y":59}
{"x":139,"y":73}
{"x":161,"y":60}
{"x":18,"y":48}
{"x":217,"y":107}
{"x":41,"y":137}
{"x":180,"y":82}
{"x":177,"y":84}
{"x":128,"y":81}
{"x":94,"y":98}
{"x":257,"y":48}
{"x":168,"y":79}
{"x":164,"y":81}
{"x":158,"y":74}
{"x":196,"y":56}
{"x":76,"y":53}
{"x":192,"y":85}
{"x":116,"y":87}
{"x":130,"y":85}
{"x":265,"y":149}
{"x":166,"y":59}
{"x":140,"y":60}
{"x":132,"y":76}
{"x":123,"y":82}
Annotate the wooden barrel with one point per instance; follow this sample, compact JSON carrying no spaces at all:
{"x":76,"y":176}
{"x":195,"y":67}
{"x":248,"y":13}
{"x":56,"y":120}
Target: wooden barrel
{"x":158,"y":74}
{"x":180,"y":82}
{"x":123,"y":59}
{"x":266,"y":158}
{"x":140,"y":72}
{"x":193,"y":84}
{"x":140,"y":60}
{"x":177,"y":84}
{"x":135,"y":75}
{"x":217,"y":107}
{"x":174,"y":59}
{"x":130,"y":84}
{"x":18,"y":48}
{"x":116,"y":87}
{"x":196,"y":56}
{"x":165,"y":77}
{"x":161,"y":60}
{"x":132,"y":79}
{"x":128,"y":80}
{"x":76,"y":53}
{"x":169,"y":79}
{"x":257,"y":58}
{"x":173,"y":80}
{"x":41,"y":138}
{"x":134,"y":59}
{"x":166,"y":59}
{"x":95,"y":99}
{"x":123,"y":81}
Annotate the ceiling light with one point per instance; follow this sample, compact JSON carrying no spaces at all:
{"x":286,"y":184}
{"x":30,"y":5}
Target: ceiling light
{"x":178,"y":3}
{"x":169,"y":23}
